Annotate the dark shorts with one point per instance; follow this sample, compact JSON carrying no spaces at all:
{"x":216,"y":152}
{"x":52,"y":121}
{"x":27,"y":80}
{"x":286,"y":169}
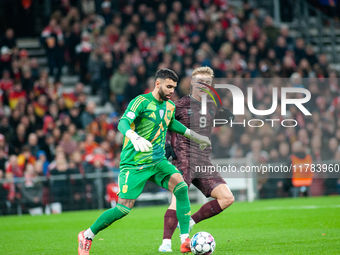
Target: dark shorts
{"x":204,"y":182}
{"x":206,"y":185}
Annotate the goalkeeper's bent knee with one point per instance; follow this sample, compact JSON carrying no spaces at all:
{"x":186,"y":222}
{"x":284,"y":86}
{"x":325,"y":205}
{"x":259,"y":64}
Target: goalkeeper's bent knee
{"x":181,"y":191}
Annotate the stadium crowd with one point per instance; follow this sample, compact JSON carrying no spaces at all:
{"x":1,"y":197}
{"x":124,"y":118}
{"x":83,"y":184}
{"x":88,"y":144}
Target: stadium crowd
{"x":116,"y":49}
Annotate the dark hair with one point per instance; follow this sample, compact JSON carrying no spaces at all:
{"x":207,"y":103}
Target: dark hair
{"x":166,"y":73}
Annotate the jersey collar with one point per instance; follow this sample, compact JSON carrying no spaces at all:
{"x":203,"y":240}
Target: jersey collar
{"x":193,"y":99}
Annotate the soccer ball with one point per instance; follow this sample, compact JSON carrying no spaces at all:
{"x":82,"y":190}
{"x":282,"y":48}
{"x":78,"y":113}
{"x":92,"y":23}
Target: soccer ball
{"x":202,"y":243}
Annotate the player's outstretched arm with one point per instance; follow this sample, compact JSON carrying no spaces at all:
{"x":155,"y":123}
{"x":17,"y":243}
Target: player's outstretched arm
{"x":179,"y":128}
{"x":138,"y":142}
{"x":202,"y":140}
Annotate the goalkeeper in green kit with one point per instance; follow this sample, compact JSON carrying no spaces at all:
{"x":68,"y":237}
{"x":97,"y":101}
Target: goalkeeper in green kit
{"x":144,"y":125}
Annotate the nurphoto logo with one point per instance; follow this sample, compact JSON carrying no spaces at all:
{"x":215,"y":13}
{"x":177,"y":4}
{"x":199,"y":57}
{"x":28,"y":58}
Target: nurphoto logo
{"x":239,"y":101}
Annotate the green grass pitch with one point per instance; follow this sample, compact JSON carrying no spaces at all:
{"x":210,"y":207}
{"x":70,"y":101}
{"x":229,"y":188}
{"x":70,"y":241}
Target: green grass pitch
{"x":280,"y":226}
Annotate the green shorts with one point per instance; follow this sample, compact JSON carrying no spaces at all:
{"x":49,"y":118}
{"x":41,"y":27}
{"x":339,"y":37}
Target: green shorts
{"x":131,"y":182}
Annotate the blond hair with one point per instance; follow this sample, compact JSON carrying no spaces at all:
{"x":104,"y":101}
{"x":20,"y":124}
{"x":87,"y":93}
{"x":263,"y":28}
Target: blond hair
{"x":203,"y":70}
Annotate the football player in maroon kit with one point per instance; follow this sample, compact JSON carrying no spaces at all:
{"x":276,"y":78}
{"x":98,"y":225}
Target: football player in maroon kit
{"x":188,"y":112}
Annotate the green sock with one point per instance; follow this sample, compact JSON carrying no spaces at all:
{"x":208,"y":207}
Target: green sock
{"x":182,"y":206}
{"x":108,"y":217}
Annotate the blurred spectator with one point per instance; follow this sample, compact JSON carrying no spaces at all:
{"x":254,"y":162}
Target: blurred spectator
{"x":257,"y":155}
{"x":27,"y":81}
{"x":13,"y":168}
{"x":323,"y":64}
{"x":77,"y":185}
{"x":3,"y":194}
{"x":305,"y":69}
{"x":76,"y":158}
{"x":9,"y":39}
{"x":329,"y":7}
{"x":222,"y":150}
{"x":132,"y":89}
{"x":95,"y":22}
{"x":90,"y":144}
{"x":288,"y":67}
{"x":65,"y":122}
{"x":83,"y":51}
{"x":332,"y":148}
{"x":68,"y":144}
{"x":97,"y":166}
{"x":280,"y":48}
{"x":112,"y":139}
{"x":299,"y":50}
{"x":9,"y":192}
{"x":5,"y":59}
{"x":332,"y":185}
{"x":3,"y":159}
{"x":14,"y":120}
{"x":117,"y":85}
{"x":283,"y":152}
{"x":16,"y":95}
{"x":106,"y":12}
{"x":7,"y":131}
{"x":6,"y":83}
{"x":32,"y":190}
{"x":75,"y":117}
{"x":53,"y":40}
{"x":49,"y":124}
{"x":106,"y":73}
{"x":270,"y":30}
{"x":33,"y":143}
{"x":72,"y":129}
{"x":42,"y":159}
{"x":99,"y":127}
{"x":310,"y":55}
{"x":82,"y":102}
{"x":73,"y":40}
{"x":61,"y":188}
{"x":34,"y":69}
{"x":301,"y":178}
{"x":94,"y":66}
{"x":49,"y":147}
{"x":39,"y":168}
{"x":26,"y":157}
{"x":20,"y":139}
{"x":285,"y":34}
{"x":24,"y":61}
{"x":88,"y":116}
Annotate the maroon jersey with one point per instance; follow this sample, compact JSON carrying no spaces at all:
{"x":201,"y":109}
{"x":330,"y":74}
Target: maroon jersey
{"x":188,"y":153}
{"x":188,"y":113}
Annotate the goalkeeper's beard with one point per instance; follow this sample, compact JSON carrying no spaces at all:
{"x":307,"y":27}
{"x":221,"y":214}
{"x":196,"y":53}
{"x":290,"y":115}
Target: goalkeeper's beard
{"x":162,"y":95}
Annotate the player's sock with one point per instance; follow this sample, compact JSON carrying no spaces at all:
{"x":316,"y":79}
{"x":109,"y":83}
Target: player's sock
{"x":192,"y":223}
{"x":182,"y":206}
{"x":207,"y":210}
{"x":108,"y":217}
{"x":88,"y":234}
{"x":183,"y":237}
{"x":170,"y":224}
{"x":166,"y":241}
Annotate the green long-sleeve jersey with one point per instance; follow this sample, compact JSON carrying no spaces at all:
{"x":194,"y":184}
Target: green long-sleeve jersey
{"x":150,"y":119}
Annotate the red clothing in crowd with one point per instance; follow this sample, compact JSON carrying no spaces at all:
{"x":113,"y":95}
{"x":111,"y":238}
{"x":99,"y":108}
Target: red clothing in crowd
{"x":14,"y":97}
{"x":6,"y":85}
